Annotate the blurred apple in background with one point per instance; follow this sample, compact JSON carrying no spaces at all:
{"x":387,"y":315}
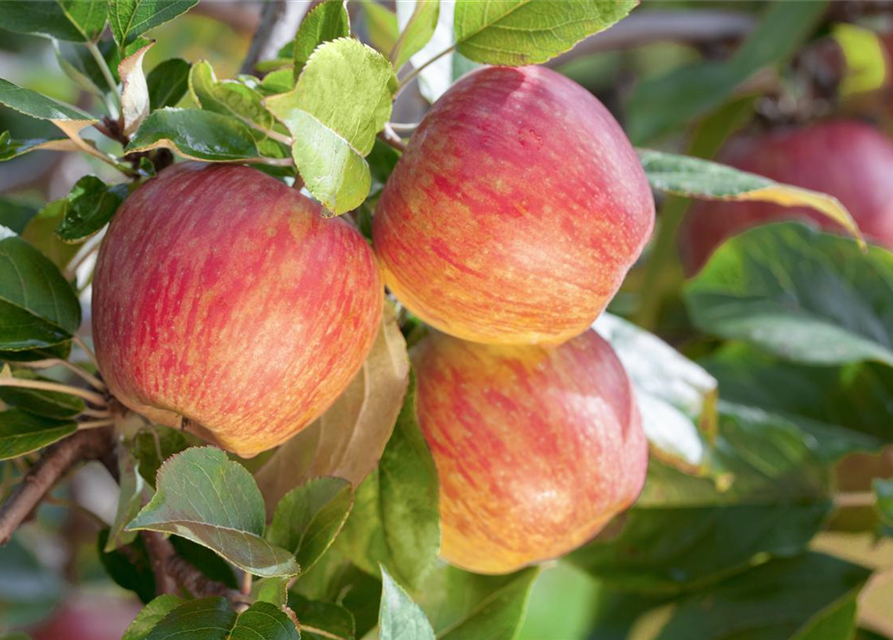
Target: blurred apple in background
{"x":846,"y":159}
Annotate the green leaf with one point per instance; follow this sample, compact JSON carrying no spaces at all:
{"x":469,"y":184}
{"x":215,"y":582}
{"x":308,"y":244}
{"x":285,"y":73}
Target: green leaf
{"x":342,"y":99}
{"x":195,"y":134}
{"x":37,"y":306}
{"x":381,"y":25}
{"x":685,"y":176}
{"x":400,"y":618}
{"x":48,"y":404}
{"x":672,"y":100}
{"x":204,"y":497}
{"x":73,"y":20}
{"x":231,"y":98}
{"x":22,"y":432}
{"x":349,"y":438}
{"x":846,"y":409}
{"x":272,"y":590}
{"x":129,"y":502}
{"x":327,"y":21}
{"x":677,"y":398}
{"x":416,"y":32}
{"x":37,"y":105}
{"x":130,"y":567}
{"x":335,"y":621}
{"x":168,"y":83}
{"x":767,"y":497}
{"x":151,"y":615}
{"x":264,"y":620}
{"x":15,"y":213}
{"x":41,"y":234}
{"x":79,"y":64}
{"x":279,"y":81}
{"x":91,"y":205}
{"x":807,"y":296}
{"x":883,"y":491}
{"x":776,"y":601}
{"x":466,"y":605}
{"x":206,"y":561}
{"x":130,"y":18}
{"x":309,"y":517}
{"x":517,"y":32}
{"x":213,"y":619}
{"x":152,"y":446}
{"x":211,"y":615}
{"x":395,"y":520}
{"x":10,"y":148}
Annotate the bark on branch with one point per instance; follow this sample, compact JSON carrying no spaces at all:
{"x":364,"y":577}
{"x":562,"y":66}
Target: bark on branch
{"x":279,"y":21}
{"x":172,"y":571}
{"x":56,"y":462}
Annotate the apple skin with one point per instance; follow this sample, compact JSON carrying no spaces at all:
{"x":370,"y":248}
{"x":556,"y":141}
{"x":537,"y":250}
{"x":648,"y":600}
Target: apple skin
{"x":536,"y":447}
{"x":846,"y":159}
{"x":224,"y":302}
{"x":516,"y":210}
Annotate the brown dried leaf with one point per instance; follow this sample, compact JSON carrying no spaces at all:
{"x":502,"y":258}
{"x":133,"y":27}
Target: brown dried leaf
{"x":348,"y":439}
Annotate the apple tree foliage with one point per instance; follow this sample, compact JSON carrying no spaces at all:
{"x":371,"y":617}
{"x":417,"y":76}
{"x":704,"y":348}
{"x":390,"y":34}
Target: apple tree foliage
{"x":788,"y":367}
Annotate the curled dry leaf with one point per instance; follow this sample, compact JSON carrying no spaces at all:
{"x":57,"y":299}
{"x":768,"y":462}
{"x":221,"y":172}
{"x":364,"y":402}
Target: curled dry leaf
{"x":134,"y":91}
{"x":348,"y":439}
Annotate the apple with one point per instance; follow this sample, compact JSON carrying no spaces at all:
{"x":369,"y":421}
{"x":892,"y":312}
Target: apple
{"x":846,"y":159}
{"x":89,"y":617}
{"x":225,"y":303}
{"x":516,"y":210}
{"x":536,"y":447}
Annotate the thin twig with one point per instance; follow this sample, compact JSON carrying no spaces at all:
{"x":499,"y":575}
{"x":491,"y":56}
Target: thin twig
{"x":859,"y":499}
{"x":317,"y":631}
{"x":107,"y":74}
{"x":71,"y":269}
{"x":55,"y":462}
{"x":388,"y":136}
{"x":95,"y":413}
{"x":87,"y":350}
{"x":273,"y":162}
{"x":89,"y":396}
{"x":247,"y":580}
{"x":95,"y":424}
{"x":274,"y":135}
{"x":404,"y":126}
{"x":95,"y":382}
{"x":415,"y":72}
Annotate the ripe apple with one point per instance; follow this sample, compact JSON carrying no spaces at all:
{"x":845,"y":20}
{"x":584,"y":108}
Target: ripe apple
{"x":224,"y":302}
{"x":846,"y":159}
{"x":537,"y":447}
{"x":516,"y":210}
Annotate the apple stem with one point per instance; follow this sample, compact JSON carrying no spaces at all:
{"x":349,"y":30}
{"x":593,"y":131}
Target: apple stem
{"x":95,"y":382}
{"x":89,"y":396}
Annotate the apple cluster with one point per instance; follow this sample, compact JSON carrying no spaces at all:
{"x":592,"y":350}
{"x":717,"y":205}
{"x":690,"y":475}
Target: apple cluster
{"x":227,"y":304}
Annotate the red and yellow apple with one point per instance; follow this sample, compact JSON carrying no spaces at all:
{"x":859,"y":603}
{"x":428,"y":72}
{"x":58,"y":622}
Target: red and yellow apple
{"x":516,"y":210}
{"x":224,"y":302}
{"x":846,"y":159}
{"x":536,"y":447}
